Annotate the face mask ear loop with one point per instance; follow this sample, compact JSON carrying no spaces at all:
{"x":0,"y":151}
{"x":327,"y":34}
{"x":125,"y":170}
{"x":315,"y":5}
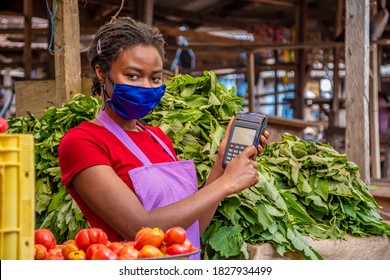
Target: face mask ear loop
{"x":104,"y":91}
{"x":104,"y":94}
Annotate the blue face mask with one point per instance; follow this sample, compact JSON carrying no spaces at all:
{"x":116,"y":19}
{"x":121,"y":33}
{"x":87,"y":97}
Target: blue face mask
{"x":134,"y":102}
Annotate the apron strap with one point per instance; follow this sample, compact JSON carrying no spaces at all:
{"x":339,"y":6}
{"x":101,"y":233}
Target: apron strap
{"x":158,"y":140}
{"x":120,"y":133}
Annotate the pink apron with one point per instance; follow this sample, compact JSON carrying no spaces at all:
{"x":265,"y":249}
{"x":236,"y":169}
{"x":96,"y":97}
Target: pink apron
{"x":157,"y":185}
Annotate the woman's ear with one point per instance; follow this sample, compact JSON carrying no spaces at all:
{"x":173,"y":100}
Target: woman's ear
{"x":100,"y":74}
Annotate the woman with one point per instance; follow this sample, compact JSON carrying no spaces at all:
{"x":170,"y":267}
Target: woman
{"x":125,"y":176}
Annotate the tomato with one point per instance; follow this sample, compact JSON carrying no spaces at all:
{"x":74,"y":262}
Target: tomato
{"x":128,"y":251}
{"x":149,"y":251}
{"x":68,"y":247}
{"x":175,"y":235}
{"x":116,"y":246}
{"x":126,"y":257}
{"x":177,"y":249}
{"x":45,"y":237}
{"x":92,"y":249}
{"x":88,"y":236}
{"x":54,"y":257}
{"x":129,"y":243}
{"x":55,"y":254}
{"x":188,"y":244}
{"x":104,"y":254}
{"x":147,"y":236}
{"x":163,"y":248}
{"x":3,"y":125}
{"x":77,"y":255}
{"x":40,"y":252}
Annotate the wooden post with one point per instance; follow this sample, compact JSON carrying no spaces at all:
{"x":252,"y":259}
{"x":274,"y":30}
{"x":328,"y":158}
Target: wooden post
{"x":374,"y":114}
{"x":143,"y":11}
{"x":334,"y":116}
{"x":357,"y":67}
{"x":67,"y":50}
{"x":27,"y":53}
{"x":250,"y":75}
{"x":300,"y":72}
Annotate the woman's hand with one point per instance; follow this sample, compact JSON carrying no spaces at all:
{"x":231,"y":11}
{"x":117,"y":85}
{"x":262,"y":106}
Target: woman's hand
{"x":222,"y":147}
{"x":241,"y":172}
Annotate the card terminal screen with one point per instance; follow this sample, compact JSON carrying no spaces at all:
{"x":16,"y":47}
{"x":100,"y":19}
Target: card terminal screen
{"x":243,"y":135}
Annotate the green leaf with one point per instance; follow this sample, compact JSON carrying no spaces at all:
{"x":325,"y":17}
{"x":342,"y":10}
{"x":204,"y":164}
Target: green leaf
{"x":227,"y":241}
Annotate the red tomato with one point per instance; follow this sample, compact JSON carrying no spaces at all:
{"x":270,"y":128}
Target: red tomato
{"x":149,"y":251}
{"x":116,"y":246}
{"x":163,"y":248}
{"x":104,"y":254}
{"x":128,"y":251}
{"x":188,"y":244}
{"x":3,"y":125}
{"x":45,"y":237}
{"x":175,"y":235}
{"x":88,"y":236}
{"x":149,"y":236}
{"x":77,"y":255}
{"x":126,"y":257}
{"x":40,"y":252}
{"x":92,"y":249}
{"x":56,"y":251}
{"x":69,"y":247}
{"x":177,"y":249}
{"x":54,"y":257}
{"x":129,"y":243}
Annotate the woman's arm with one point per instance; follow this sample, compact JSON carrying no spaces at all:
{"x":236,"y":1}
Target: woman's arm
{"x":110,"y":198}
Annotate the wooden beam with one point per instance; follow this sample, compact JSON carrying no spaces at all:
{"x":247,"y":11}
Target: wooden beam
{"x":174,"y":31}
{"x":374,"y":114}
{"x":27,"y":52}
{"x":299,"y":100}
{"x":357,"y":85}
{"x":247,"y":46}
{"x":250,"y":75}
{"x":339,"y":17}
{"x":277,"y":3}
{"x":148,"y":11}
{"x":34,"y":31}
{"x":202,"y":19}
{"x":67,"y":50}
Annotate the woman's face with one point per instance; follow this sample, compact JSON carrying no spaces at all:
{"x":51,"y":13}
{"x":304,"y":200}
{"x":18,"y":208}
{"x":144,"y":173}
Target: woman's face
{"x":138,"y":66}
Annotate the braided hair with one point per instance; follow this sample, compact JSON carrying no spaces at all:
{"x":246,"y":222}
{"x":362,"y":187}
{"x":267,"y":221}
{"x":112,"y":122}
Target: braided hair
{"x":117,"y":36}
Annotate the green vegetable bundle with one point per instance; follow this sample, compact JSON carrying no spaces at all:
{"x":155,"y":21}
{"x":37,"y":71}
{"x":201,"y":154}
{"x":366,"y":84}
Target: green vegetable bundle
{"x":55,"y":209}
{"x":323,"y":191}
{"x":194,"y":113}
{"x":305,"y":189}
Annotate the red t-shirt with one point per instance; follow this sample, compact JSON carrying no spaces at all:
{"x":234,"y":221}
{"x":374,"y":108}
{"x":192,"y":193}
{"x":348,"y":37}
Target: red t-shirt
{"x":90,"y":144}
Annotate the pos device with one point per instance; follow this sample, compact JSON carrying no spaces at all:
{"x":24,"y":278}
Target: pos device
{"x":246,"y":130}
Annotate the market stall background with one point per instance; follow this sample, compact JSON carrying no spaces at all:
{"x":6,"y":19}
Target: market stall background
{"x":281,"y":56}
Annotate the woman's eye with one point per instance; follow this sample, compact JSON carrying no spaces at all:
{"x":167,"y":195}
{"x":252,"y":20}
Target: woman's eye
{"x":156,"y":79}
{"x":132,"y":76}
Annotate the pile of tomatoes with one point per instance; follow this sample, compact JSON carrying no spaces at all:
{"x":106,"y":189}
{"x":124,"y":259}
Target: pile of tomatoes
{"x":93,"y":244}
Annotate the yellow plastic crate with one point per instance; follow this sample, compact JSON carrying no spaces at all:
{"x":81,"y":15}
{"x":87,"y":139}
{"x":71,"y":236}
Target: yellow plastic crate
{"x":17,"y":183}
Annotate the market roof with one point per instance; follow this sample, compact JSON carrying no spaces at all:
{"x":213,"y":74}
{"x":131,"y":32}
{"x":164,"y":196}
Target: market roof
{"x":203,"y":26}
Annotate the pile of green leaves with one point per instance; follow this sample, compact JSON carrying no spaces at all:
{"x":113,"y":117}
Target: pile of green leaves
{"x":323,"y":190}
{"x":305,"y":189}
{"x":55,"y":208}
{"x":194,"y":113}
